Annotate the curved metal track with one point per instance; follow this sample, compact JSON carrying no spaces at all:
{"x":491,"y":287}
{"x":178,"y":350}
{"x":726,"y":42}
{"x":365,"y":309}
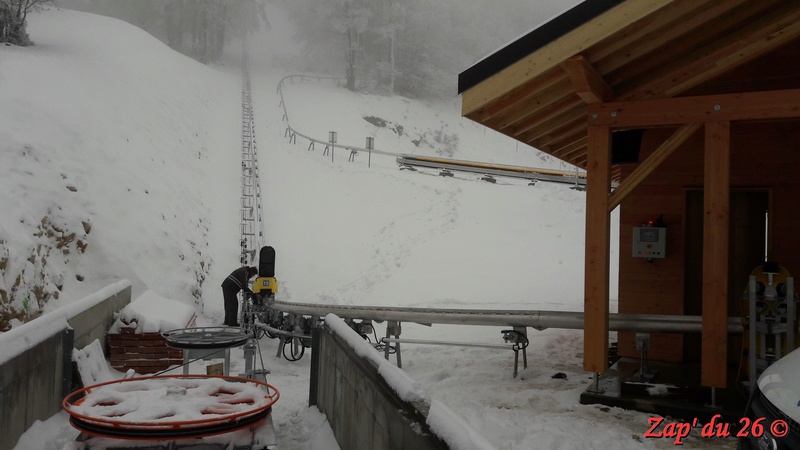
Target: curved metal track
{"x":539,"y":320}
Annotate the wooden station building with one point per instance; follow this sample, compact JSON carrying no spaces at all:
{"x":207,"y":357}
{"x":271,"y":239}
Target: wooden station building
{"x":693,"y":107}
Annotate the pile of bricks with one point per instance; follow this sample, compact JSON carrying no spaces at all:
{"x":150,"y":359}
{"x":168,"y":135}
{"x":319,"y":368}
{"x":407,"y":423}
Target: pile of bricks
{"x":143,"y":352}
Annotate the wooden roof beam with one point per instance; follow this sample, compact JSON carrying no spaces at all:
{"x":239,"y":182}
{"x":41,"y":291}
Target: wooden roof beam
{"x":576,"y":127}
{"x":780,"y":104}
{"x":552,"y":125}
{"x":572,"y":151}
{"x":587,"y":82}
{"x":527,"y":97}
{"x":668,"y":35}
{"x":578,"y":146}
{"x":645,"y":36}
{"x":559,"y":106}
{"x":779,"y":26}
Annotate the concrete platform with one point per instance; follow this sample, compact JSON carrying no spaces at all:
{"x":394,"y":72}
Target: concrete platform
{"x":667,"y":390}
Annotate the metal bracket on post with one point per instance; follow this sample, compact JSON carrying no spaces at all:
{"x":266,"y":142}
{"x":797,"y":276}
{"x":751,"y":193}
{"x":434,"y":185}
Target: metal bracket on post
{"x":249,"y":359}
{"x":643,"y":345}
{"x":519,"y":338}
{"x":523,"y":331}
{"x":289,"y":323}
{"x":393,"y":328}
{"x":595,"y":386}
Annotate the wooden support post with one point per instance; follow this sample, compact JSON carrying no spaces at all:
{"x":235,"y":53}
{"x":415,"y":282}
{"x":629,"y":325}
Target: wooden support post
{"x":715,"y":254}
{"x":598,"y":231}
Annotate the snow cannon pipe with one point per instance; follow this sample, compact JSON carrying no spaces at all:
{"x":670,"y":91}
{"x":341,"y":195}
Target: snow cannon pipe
{"x":540,"y":320}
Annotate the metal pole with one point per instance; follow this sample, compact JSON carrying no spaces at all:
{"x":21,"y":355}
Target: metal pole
{"x":370,"y":146}
{"x":312,"y":385}
{"x":751,"y":353}
{"x":332,"y":139}
{"x":790,"y":312}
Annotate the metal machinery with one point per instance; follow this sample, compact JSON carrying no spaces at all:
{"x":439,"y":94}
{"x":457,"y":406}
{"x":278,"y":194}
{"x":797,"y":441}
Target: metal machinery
{"x":260,"y":319}
{"x":771,"y":318}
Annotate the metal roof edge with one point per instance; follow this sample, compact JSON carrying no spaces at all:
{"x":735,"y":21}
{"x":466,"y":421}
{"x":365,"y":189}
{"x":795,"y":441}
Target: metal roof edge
{"x":533,"y":40}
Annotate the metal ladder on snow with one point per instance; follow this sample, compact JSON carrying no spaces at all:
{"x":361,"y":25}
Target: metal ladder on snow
{"x":252,"y":226}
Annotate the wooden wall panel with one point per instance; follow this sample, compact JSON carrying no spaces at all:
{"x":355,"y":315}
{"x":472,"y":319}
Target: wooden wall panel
{"x":763,"y":156}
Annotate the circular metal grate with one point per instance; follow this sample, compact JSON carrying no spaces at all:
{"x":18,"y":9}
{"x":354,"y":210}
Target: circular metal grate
{"x":170,"y":406}
{"x":206,"y":337}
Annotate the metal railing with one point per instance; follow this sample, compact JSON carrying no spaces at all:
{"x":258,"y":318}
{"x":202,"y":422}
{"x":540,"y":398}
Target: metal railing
{"x":537,"y":319}
{"x":291,"y":133}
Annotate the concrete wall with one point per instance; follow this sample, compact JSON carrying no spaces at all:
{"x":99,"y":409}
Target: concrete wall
{"x":363,"y":410}
{"x":94,"y":322}
{"x":36,"y":358}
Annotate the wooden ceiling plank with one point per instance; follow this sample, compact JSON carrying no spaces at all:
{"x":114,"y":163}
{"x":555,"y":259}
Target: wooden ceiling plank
{"x":580,"y":161}
{"x":554,"y":109}
{"x":573,"y":150}
{"x":676,"y":49}
{"x":676,"y":20}
{"x":528,"y":95}
{"x":778,"y":104}
{"x":566,"y":141}
{"x":586,"y":81}
{"x":651,"y":163}
{"x":568,"y":134}
{"x":549,"y":56}
{"x":555,"y":125}
{"x":777,"y":28}
{"x":553,"y":101}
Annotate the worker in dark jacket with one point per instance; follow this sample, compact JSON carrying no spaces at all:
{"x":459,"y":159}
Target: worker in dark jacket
{"x":236,"y":282}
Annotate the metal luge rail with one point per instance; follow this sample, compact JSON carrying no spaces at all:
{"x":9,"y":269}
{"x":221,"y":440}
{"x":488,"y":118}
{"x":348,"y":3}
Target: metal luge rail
{"x":291,"y":133}
{"x":536,"y":319}
{"x":502,"y":170}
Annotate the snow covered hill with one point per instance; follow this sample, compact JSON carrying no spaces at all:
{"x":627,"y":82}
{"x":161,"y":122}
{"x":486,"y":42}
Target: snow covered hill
{"x":107,"y":143}
{"x":120,"y":160}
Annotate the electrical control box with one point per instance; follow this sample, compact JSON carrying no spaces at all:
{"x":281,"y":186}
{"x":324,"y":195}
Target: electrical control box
{"x":649,"y":242}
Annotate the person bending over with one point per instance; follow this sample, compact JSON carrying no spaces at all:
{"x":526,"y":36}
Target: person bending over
{"x":236,"y":282}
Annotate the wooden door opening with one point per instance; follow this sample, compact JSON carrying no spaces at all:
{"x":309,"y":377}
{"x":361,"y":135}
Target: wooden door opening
{"x":748,"y":246}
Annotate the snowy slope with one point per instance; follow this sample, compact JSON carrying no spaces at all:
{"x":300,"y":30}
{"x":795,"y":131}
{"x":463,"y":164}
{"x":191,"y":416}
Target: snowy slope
{"x":105,"y":137}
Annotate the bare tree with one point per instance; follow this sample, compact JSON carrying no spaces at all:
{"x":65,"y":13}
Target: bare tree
{"x":14,"y":20}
